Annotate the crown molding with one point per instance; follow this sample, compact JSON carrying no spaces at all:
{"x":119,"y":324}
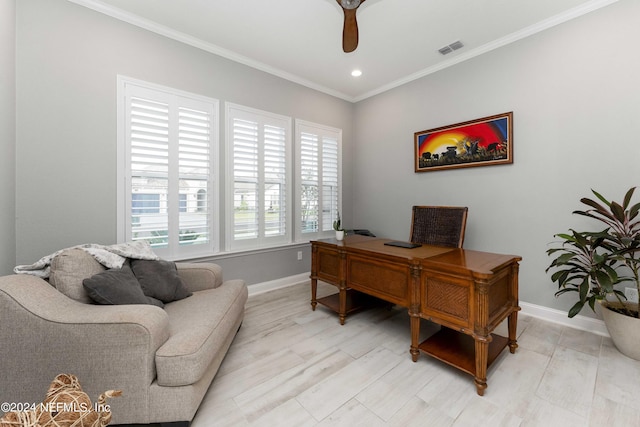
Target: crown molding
{"x":179,"y":36}
{"x":165,"y":31}
{"x":508,"y":39}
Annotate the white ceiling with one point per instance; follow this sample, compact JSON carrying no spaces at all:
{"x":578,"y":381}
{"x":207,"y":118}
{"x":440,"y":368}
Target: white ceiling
{"x":301,"y":40}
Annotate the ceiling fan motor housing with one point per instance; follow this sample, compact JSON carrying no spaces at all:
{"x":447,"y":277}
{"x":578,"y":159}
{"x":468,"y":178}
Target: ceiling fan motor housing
{"x":350,"y":4}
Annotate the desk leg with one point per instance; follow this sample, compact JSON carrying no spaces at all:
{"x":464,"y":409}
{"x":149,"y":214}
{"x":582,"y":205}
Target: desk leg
{"x":513,"y":327}
{"x":314,"y":293}
{"x":482,"y":355}
{"x":342,"y":311}
{"x":415,"y":336}
{"x":414,"y":309}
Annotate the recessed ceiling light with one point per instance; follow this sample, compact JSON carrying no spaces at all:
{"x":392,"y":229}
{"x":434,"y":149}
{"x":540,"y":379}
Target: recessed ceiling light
{"x":356,"y":73}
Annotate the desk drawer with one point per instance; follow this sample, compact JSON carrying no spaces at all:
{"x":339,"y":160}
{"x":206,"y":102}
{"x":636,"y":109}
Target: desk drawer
{"x":388,"y":281}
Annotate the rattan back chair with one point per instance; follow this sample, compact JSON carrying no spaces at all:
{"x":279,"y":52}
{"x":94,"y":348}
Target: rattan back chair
{"x":439,"y":225}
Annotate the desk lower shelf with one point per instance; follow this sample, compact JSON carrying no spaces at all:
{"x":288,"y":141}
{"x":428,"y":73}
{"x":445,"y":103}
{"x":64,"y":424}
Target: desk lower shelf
{"x":458,"y":349}
{"x":355,"y":301}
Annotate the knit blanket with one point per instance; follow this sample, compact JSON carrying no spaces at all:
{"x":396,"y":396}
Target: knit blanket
{"x":111,"y":256}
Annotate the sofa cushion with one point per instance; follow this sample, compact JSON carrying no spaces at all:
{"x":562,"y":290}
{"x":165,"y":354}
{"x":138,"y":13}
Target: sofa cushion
{"x":159,"y":279}
{"x":117,"y":286}
{"x":69,"y":269}
{"x":198,"y":328}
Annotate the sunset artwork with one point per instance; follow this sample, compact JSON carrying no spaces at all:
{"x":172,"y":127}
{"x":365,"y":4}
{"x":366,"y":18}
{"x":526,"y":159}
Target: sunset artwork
{"x":482,"y":142}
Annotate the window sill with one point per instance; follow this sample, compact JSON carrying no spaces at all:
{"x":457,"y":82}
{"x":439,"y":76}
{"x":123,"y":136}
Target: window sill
{"x":243,"y":253}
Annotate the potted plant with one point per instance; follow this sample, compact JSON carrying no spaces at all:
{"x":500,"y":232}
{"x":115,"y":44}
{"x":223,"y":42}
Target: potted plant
{"x":337,"y":225}
{"x":593,"y":263}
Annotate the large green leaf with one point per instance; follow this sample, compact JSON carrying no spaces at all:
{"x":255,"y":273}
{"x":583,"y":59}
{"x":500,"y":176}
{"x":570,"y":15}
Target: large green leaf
{"x":595,"y":205}
{"x":560,"y":276}
{"x":599,"y":196}
{"x":599,"y":259}
{"x":604,"y":281}
{"x":565,"y":236}
{"x":633,"y":211}
{"x":564,"y":258}
{"x":627,"y":197}
{"x":584,"y":289}
{"x":620,"y":294}
{"x":618,"y":212}
{"x":576,"y":308}
{"x":565,"y":290}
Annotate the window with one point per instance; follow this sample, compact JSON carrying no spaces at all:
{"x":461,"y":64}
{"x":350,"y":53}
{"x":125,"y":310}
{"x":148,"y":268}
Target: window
{"x":259,"y":188}
{"x":166,"y":168}
{"x":142,"y":203}
{"x":318,"y":159}
{"x":168,"y":174}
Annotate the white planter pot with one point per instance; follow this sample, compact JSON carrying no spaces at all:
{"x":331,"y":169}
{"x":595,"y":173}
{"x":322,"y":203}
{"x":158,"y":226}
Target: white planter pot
{"x":624,"y":330}
{"x":339,"y":234}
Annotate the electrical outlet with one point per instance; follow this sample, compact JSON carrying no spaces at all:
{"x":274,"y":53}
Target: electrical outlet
{"x":300,"y":257}
{"x":631,"y":294}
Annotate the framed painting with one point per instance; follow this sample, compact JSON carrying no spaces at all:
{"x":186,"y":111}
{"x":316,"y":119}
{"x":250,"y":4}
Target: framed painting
{"x":482,"y":142}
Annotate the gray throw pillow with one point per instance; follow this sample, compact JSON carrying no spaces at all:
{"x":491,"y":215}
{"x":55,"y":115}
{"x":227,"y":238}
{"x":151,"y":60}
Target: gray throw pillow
{"x":159,"y":279}
{"x":115,"y":287}
{"x":69,"y":269}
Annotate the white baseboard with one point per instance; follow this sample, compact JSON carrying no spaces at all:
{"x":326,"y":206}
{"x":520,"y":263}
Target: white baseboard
{"x":552,"y":315}
{"x":560,"y":317}
{"x":260,"y":288}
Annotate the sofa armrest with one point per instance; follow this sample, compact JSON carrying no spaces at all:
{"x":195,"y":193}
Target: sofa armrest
{"x":198,"y":276}
{"x":39,"y":298}
{"x":44,"y":333}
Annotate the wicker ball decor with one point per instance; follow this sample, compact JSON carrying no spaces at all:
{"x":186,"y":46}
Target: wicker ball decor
{"x":65,"y":405}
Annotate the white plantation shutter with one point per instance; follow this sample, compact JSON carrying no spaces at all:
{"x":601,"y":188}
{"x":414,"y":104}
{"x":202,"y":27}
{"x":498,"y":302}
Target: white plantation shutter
{"x":309,"y":176}
{"x":330,"y":181}
{"x":194,"y":176}
{"x":166,"y":194}
{"x":258,"y":144}
{"x":276,"y":186}
{"x":318,"y":157}
{"x":245,"y":179}
{"x":148,"y":125}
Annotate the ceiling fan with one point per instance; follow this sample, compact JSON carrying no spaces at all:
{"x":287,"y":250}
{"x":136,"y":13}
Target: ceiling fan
{"x":350,"y":28}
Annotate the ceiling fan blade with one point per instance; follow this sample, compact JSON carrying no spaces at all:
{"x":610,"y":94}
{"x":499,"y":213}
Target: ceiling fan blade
{"x":350,"y":31}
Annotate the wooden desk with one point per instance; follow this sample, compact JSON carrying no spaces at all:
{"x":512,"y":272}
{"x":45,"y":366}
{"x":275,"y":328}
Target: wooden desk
{"x":365,"y":264}
{"x":468,"y":292}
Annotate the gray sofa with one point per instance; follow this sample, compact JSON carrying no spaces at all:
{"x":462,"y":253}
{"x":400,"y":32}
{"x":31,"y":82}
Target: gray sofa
{"x":163,"y":359}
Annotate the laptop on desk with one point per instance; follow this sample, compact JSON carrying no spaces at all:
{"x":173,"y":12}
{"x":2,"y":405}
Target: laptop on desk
{"x":408,"y":245}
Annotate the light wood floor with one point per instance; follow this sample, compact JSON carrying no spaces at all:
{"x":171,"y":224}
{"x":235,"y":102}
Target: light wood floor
{"x":291,"y":366}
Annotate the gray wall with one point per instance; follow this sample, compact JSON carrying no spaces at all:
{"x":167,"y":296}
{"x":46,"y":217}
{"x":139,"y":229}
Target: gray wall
{"x":573,"y":89}
{"x":575,"y":94}
{"x":7,"y":135}
{"x":68,"y":60}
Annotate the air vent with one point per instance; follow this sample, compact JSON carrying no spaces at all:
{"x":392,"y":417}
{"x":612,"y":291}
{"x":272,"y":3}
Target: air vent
{"x":450,"y":48}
